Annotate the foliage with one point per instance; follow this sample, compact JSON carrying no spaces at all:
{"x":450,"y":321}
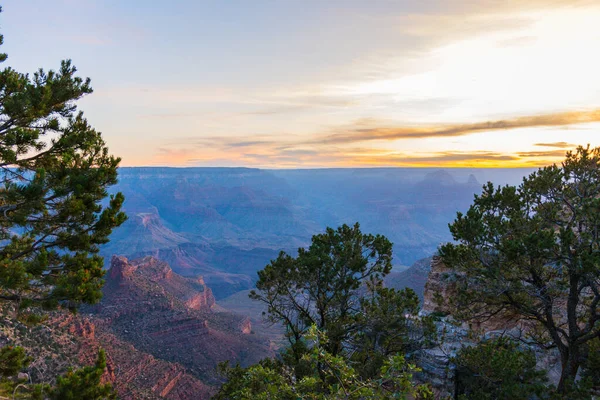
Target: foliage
{"x":12,"y":360}
{"x":533,"y":253}
{"x":336,"y":285}
{"x":84,"y":383}
{"x":387,"y":325}
{"x":498,"y":370}
{"x":347,"y":333}
{"x":591,"y":365}
{"x":321,"y":285}
{"x":330,"y":377}
{"x":54,"y":170}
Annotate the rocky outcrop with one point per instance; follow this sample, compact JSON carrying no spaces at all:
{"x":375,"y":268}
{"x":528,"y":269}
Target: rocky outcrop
{"x":66,"y":340}
{"x":439,"y":287}
{"x":161,"y":336}
{"x":436,"y":363}
{"x":121,"y":269}
{"x":82,"y":327}
{"x":246,"y":326}
{"x":198,"y":301}
{"x":171,"y":317}
{"x":413,"y":277}
{"x":147,"y":283}
{"x":472,"y":181}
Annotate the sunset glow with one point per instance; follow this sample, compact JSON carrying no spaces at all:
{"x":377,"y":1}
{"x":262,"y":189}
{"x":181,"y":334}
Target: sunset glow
{"x":326,"y":83}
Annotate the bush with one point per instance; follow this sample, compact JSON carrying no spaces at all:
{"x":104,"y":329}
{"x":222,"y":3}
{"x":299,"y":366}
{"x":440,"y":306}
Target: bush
{"x":498,"y":369}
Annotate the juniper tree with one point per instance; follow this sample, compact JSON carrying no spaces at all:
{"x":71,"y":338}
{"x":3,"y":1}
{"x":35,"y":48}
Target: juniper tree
{"x":336,"y":285}
{"x":54,"y":173}
{"x":321,"y":285}
{"x":84,"y":383}
{"x":533,"y":252}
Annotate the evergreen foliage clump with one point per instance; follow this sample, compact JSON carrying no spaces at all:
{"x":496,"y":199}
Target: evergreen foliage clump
{"x":55,"y":212}
{"x":76,"y":384}
{"x":329,"y":377}
{"x":532,"y":253}
{"x":84,"y":383}
{"x":54,"y":173}
{"x":348,"y":334}
{"x":498,"y":369}
{"x":12,"y":360}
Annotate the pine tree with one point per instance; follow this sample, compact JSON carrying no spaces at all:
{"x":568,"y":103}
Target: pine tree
{"x":12,"y":360}
{"x":84,"y":383}
{"x":54,"y":171}
{"x":336,"y":285}
{"x":533,"y":252}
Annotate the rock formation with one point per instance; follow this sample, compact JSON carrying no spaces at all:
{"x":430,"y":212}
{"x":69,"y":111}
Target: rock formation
{"x":67,"y":340}
{"x":171,"y":317}
{"x":161,"y":336}
{"x":438,"y":287}
{"x":436,"y":362}
{"x":413,"y":277}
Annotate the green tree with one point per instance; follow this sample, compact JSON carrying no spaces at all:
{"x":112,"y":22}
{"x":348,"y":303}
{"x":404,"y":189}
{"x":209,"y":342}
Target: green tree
{"x":323,"y":284}
{"x":591,"y":364}
{"x":336,"y":285}
{"x":84,"y":383}
{"x":388,"y":324}
{"x":498,"y":370}
{"x":533,"y":252}
{"x":54,"y":170}
{"x":329,"y":378}
{"x":12,"y":360}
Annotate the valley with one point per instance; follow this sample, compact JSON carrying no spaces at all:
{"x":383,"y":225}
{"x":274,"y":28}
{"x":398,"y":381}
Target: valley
{"x":225,"y":224}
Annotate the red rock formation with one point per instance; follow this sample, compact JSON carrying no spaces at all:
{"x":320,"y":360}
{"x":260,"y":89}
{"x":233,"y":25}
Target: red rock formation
{"x":68,"y":340}
{"x":171,"y":317}
{"x":120,"y":268}
{"x":161,"y":337}
{"x":198,"y":301}
{"x":84,"y":328}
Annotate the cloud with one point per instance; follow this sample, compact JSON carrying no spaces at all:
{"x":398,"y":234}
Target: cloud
{"x":449,"y":156}
{"x":419,"y":132}
{"x":443,"y":158}
{"x":559,"y":145}
{"x":551,"y":154}
{"x":282,"y":157}
{"x":341,"y":150}
{"x":246,"y":143}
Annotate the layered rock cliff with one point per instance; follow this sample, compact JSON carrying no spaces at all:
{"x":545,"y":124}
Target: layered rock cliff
{"x":162,"y":338}
{"x":171,"y":317}
{"x":66,"y":340}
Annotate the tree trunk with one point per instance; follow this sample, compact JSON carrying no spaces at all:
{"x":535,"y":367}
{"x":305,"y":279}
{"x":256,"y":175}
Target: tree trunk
{"x":570,"y":366}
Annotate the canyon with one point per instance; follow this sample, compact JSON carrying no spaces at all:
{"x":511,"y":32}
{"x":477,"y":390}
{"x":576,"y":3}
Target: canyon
{"x":227,"y":223}
{"x":175,"y":302}
{"x":163,"y":334}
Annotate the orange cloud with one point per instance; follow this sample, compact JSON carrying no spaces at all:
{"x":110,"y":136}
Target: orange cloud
{"x":337,"y":150}
{"x":416,"y":132}
{"x":269,"y":156}
{"x":559,"y":145}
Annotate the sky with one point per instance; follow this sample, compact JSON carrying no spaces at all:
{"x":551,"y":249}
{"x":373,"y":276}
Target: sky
{"x":324,"y":83}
